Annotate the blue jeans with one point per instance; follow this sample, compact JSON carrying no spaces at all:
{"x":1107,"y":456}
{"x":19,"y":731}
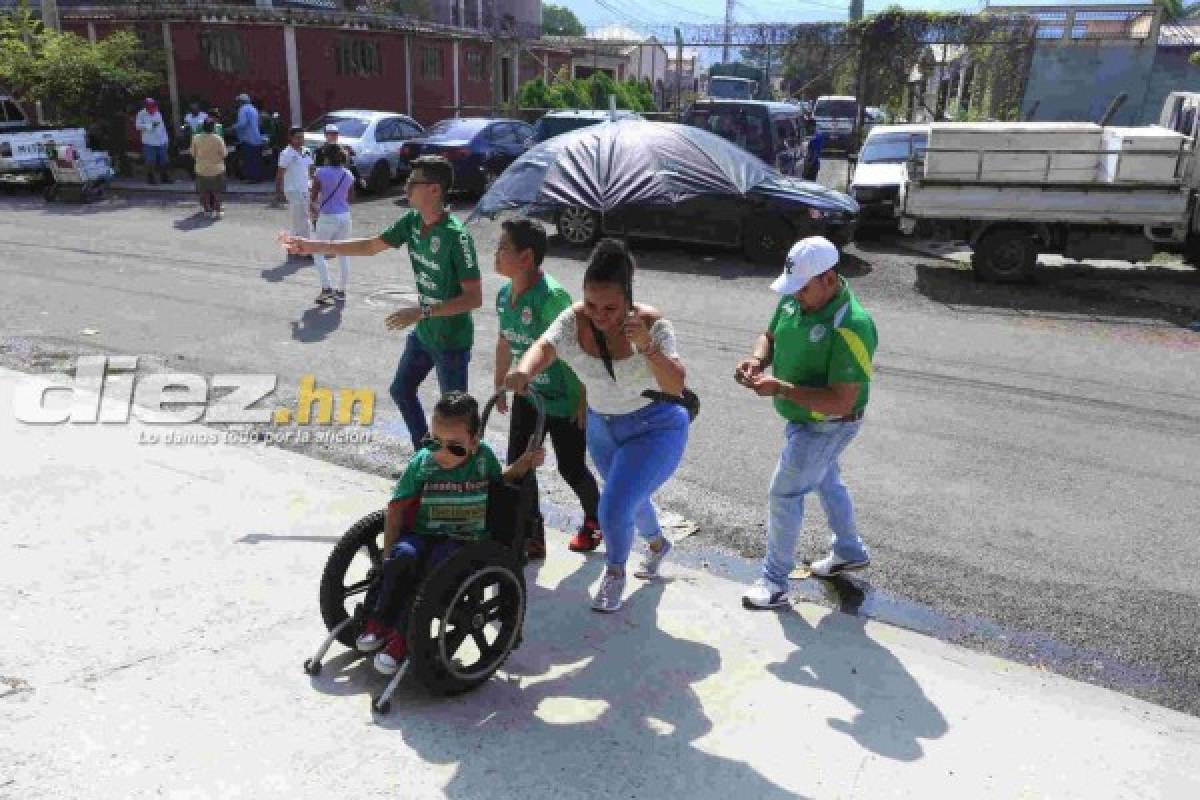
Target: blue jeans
{"x":635,"y":454}
{"x":415,"y":365}
{"x":154,"y":155}
{"x":252,"y":166}
{"x":810,"y":462}
{"x":410,"y":559}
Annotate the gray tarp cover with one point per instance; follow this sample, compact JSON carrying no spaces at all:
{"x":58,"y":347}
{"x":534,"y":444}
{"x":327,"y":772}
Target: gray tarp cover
{"x":621,"y":163}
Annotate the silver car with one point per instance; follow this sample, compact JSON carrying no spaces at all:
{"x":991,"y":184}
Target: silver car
{"x":374,"y":140}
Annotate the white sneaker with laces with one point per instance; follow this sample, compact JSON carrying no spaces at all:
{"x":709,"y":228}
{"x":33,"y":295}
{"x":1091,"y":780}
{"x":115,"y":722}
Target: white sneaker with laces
{"x":652,"y":560}
{"x":608,"y":597}
{"x":765,"y":594}
{"x":833,"y":564}
{"x":369,"y":642}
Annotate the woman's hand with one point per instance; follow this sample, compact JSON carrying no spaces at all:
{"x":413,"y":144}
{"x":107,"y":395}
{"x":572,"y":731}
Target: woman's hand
{"x":517,"y":382}
{"x":637,"y":333}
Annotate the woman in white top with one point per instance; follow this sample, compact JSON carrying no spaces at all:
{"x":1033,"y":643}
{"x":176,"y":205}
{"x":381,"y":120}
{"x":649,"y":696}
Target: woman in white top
{"x":620,"y":349}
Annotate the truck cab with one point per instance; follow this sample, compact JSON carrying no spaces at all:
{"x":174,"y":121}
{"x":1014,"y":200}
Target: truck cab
{"x":729,"y":87}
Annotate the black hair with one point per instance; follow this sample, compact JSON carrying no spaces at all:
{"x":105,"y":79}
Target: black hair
{"x":611,"y":263}
{"x":527,"y":234}
{"x":292,"y":131}
{"x":438,"y":169}
{"x":209,"y":125}
{"x":334,"y":155}
{"x":459,"y":405}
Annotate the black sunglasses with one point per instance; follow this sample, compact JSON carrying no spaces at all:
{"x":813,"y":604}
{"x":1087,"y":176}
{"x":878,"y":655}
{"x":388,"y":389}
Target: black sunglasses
{"x":433,"y":444}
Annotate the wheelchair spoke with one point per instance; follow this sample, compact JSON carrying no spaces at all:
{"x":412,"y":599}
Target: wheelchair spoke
{"x":356,"y":588}
{"x":374,"y":552}
{"x":480,"y":643}
{"x":454,"y":640}
{"x":491,"y":609}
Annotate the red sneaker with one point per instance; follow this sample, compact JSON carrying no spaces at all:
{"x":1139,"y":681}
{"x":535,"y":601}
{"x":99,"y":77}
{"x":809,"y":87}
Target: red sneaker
{"x":587,"y":538}
{"x":393,"y":655}
{"x":373,"y":636}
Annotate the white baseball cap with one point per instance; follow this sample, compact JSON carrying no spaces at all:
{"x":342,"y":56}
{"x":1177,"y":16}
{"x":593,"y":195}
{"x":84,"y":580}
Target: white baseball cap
{"x":807,"y":259}
{"x":331,"y":128}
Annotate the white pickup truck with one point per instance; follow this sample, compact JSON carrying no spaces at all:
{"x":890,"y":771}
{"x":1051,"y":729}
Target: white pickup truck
{"x":1014,"y":190}
{"x":23,"y":146}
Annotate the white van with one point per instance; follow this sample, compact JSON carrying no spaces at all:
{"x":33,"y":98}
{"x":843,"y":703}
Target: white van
{"x":882,"y":169}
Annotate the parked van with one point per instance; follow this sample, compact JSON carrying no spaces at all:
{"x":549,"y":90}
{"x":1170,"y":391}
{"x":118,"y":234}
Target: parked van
{"x":835,"y":116}
{"x":772,"y":131}
{"x":882,"y":169}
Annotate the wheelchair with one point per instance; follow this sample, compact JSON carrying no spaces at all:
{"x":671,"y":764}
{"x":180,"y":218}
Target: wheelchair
{"x":467,"y":613}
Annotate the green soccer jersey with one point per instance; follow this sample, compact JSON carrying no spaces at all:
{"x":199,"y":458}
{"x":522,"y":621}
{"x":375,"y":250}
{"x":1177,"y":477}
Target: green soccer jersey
{"x":522,"y":322}
{"x":453,"y":502}
{"x":441,"y":261}
{"x":832,"y":345}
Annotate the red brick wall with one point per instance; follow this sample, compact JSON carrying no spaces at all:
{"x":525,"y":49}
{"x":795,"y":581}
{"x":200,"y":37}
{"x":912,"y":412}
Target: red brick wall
{"x":265,"y":78}
{"x":476,"y":93}
{"x":433,"y":96}
{"x":322,"y":89}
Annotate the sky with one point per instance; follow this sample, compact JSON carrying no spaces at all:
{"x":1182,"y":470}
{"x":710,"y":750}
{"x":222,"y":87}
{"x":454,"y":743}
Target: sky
{"x":638,"y":13}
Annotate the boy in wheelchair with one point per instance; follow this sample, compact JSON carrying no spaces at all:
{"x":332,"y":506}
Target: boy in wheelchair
{"x":438,"y":506}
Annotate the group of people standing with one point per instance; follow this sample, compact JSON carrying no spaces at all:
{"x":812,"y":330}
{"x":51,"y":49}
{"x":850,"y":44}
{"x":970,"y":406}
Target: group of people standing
{"x":612,"y":379}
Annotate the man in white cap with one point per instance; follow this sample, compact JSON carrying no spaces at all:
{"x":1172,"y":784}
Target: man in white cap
{"x":819,"y":345}
{"x":331,"y":137}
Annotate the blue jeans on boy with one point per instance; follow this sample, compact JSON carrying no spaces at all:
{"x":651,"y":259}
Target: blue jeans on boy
{"x":809,"y":462}
{"x":412,"y":556}
{"x":635,"y":454}
{"x":415,"y":365}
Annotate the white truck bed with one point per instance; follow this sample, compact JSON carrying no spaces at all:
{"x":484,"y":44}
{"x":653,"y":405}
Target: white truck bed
{"x":1099,"y":204}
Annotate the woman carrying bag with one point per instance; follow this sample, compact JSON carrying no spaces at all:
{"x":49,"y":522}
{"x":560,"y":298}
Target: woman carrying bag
{"x":332,"y":189}
{"x":637,"y":427}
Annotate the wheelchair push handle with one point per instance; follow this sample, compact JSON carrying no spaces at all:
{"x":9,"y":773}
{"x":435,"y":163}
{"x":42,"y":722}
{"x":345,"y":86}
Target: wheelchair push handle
{"x":539,"y":430}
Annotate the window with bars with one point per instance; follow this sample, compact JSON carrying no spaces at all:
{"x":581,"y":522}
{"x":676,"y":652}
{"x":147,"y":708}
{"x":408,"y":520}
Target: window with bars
{"x":431,"y":63}
{"x":475,"y":65}
{"x":224,"y":51}
{"x":359,"y":57}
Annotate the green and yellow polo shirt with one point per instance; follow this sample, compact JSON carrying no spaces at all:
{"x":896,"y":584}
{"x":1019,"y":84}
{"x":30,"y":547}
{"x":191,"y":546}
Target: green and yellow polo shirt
{"x":834,"y":344}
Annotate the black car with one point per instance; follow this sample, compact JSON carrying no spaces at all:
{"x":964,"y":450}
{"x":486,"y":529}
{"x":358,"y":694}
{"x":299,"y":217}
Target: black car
{"x":763,"y":223}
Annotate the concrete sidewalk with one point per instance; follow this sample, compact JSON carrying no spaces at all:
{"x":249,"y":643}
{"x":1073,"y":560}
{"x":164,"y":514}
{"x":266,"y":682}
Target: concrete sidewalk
{"x":185,"y":185}
{"x":160,"y":599}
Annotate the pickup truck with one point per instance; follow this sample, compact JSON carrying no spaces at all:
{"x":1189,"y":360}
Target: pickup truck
{"x":23,"y":146}
{"x":1082,"y":190}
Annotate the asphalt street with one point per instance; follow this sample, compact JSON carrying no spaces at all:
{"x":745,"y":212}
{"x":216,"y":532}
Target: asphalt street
{"x":1026,"y":478}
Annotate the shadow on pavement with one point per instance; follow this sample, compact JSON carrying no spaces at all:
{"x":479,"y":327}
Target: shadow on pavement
{"x":289,"y":267}
{"x":1169,"y":295}
{"x":317,"y":323}
{"x":601,"y":694}
{"x":838,"y":656}
{"x":682,"y":258}
{"x":196,"y":221}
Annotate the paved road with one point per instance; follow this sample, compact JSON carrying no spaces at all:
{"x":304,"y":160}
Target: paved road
{"x":1026,"y":479}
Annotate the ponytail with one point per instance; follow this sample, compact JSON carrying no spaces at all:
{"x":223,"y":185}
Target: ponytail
{"x":611,"y":263}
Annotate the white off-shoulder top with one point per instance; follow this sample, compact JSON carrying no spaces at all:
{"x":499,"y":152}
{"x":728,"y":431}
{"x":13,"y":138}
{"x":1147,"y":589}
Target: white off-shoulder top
{"x":604,"y":395}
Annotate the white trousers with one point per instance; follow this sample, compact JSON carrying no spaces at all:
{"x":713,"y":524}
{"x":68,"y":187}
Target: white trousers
{"x":333,"y":228}
{"x":301,"y":225}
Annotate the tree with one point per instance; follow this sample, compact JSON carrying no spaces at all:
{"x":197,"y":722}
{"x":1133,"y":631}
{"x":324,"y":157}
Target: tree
{"x":420,"y":9}
{"x":561,"y":21}
{"x":79,"y":83}
{"x":1177,"y":9}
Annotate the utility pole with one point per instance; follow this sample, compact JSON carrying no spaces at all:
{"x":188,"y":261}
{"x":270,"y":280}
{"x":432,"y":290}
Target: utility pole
{"x":729,"y":4}
{"x":50,"y":15}
{"x":856,"y":10}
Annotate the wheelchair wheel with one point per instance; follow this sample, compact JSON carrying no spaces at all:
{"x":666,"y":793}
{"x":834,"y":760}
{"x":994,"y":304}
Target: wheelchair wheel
{"x":350,"y":570}
{"x":466,"y":618}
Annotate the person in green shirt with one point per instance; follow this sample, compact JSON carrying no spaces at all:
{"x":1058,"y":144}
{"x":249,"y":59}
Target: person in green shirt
{"x":526,"y":306}
{"x":449,"y":288}
{"x":819,"y":345}
{"x":438,"y":506}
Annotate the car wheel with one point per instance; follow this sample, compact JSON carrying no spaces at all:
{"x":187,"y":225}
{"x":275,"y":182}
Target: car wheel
{"x":578,"y":226}
{"x":381,"y":178}
{"x":766,"y":241}
{"x":1004,"y":255}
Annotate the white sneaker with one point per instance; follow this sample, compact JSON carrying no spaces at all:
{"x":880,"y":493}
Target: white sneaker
{"x":833,"y":564}
{"x":652,"y":561}
{"x":608,"y":597}
{"x":764,"y":594}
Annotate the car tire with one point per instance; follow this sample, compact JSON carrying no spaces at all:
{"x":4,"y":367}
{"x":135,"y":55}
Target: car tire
{"x":1004,"y":255}
{"x":766,"y":241}
{"x":381,"y":178}
{"x":578,"y":227}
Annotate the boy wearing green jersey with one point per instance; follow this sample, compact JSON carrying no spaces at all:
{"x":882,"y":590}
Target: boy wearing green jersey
{"x":526,"y":306}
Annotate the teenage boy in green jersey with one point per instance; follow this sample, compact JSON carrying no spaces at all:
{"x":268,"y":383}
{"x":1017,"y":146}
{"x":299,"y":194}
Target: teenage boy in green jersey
{"x":526,"y":306}
{"x":443,"y":260}
{"x":819,"y":345}
{"x":439,"y":504}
